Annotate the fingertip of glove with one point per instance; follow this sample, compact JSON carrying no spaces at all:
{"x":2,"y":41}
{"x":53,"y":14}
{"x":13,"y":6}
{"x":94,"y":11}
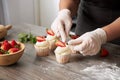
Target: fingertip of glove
{"x":58,"y":35}
{"x":63,"y":39}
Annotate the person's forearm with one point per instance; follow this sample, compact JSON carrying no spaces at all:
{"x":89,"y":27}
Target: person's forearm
{"x":113,"y":30}
{"x":72,"y":5}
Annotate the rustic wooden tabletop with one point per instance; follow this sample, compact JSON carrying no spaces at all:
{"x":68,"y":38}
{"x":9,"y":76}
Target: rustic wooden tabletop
{"x":31,"y":67}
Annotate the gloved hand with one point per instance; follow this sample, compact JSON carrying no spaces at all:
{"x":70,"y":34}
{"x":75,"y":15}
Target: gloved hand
{"x":90,"y":42}
{"x":62,"y":24}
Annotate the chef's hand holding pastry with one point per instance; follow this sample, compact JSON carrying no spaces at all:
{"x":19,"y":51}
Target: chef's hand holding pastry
{"x":90,"y":42}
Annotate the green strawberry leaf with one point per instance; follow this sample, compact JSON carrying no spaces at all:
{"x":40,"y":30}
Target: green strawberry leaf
{"x":24,"y":37}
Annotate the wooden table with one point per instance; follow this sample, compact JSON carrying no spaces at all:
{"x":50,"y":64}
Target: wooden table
{"x":31,"y":67}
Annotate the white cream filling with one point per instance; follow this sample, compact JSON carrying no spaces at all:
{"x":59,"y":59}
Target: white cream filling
{"x":49,"y":37}
{"x":42,"y":44}
{"x":63,"y":50}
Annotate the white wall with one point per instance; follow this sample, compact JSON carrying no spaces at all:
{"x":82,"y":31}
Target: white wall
{"x":48,"y":11}
{"x":19,"y":11}
{"x":39,"y":12}
{"x":1,"y":13}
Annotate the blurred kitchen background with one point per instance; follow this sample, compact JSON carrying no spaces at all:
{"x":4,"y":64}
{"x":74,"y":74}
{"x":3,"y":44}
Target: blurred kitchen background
{"x":36,"y":12}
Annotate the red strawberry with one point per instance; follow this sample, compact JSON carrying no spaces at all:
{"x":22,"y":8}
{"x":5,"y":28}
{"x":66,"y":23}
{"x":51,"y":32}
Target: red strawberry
{"x":12,"y":50}
{"x":40,"y":38}
{"x":13,"y":43}
{"x":0,"y":44}
{"x":1,"y":53}
{"x":104,"y":52}
{"x":73,"y":36}
{"x":60,"y":43}
{"x":6,"y":46}
{"x":5,"y":41}
{"x":50,"y":32}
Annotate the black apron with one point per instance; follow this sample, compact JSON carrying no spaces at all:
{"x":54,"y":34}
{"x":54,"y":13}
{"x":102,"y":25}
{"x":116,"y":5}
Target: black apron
{"x":93,"y":14}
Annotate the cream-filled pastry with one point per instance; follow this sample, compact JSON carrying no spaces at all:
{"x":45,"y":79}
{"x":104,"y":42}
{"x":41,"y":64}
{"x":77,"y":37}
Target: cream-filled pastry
{"x":62,"y":52}
{"x":42,"y":46}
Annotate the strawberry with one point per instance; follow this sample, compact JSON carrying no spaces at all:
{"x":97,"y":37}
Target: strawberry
{"x":12,"y":50}
{"x":1,"y":52}
{"x":104,"y":52}
{"x":40,"y":38}
{"x":5,"y":41}
{"x":50,"y":32}
{"x":5,"y":46}
{"x":0,"y":44}
{"x":73,"y":36}
{"x":60,"y":43}
{"x":13,"y":43}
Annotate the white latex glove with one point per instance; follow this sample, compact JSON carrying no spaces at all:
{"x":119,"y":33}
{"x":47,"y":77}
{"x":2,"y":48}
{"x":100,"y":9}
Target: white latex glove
{"x":62,"y":24}
{"x":90,"y":42}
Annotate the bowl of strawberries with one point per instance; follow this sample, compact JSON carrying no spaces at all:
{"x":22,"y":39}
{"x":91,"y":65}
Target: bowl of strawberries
{"x":10,"y":52}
